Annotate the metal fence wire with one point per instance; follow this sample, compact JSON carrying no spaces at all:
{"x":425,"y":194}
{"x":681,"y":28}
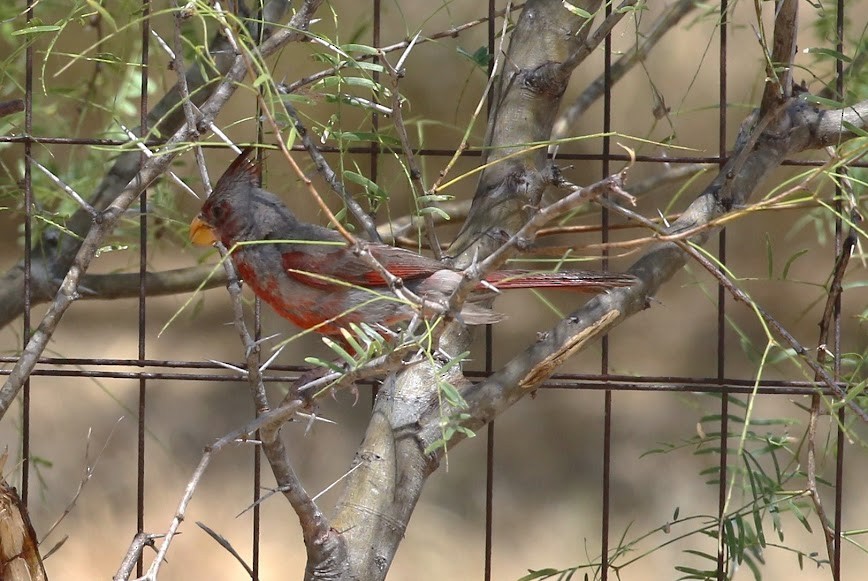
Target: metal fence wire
{"x":158,"y":379}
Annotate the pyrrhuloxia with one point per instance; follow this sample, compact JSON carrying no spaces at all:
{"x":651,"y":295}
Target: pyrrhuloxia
{"x":310,"y":276}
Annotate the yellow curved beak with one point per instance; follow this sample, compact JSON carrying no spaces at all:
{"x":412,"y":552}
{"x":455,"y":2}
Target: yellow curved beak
{"x":201,"y":233}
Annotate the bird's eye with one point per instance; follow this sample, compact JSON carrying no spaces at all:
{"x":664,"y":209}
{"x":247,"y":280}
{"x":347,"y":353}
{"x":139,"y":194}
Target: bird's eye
{"x":218,"y":212}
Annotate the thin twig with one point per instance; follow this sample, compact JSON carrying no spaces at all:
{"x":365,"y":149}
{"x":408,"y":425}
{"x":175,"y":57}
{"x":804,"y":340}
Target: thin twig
{"x":274,"y":417}
{"x":101,"y":227}
{"x":670,"y":17}
{"x":186,"y":104}
{"x":221,"y":540}
{"x":328,"y":174}
{"x":88,"y":472}
{"x":520,"y":241}
{"x":449,"y":33}
{"x":483,"y":99}
{"x":832,"y":301}
{"x":134,"y":139}
{"x":71,"y":192}
{"x":395,"y":74}
{"x":743,"y":297}
{"x":133,"y":554}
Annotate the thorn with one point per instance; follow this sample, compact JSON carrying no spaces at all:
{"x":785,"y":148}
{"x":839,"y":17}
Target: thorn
{"x":489,"y":286}
{"x":243,"y":372}
{"x":69,"y":191}
{"x":399,"y":67}
{"x":316,"y":418}
{"x":271,"y":359}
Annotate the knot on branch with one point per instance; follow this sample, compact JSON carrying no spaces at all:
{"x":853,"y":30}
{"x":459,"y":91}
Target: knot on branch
{"x":547,"y":79}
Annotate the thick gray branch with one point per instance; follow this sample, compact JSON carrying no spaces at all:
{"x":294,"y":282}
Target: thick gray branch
{"x":534,"y":77}
{"x":381,"y":494}
{"x":797,"y":128}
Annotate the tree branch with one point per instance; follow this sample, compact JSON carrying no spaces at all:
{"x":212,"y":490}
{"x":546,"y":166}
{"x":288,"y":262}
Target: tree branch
{"x":53,"y":255}
{"x":380,"y":496}
{"x":109,"y":217}
{"x":670,"y":17}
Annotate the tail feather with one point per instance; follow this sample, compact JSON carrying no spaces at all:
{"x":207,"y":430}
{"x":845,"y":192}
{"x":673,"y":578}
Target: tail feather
{"x":579,"y":280}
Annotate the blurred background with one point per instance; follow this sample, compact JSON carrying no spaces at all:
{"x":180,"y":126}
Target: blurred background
{"x":549,"y":448}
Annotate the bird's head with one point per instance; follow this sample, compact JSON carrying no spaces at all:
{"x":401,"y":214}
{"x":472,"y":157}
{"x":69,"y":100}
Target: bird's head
{"x":227,"y":214}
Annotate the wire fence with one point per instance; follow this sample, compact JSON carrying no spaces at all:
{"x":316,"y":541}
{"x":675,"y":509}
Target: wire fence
{"x":146,"y":370}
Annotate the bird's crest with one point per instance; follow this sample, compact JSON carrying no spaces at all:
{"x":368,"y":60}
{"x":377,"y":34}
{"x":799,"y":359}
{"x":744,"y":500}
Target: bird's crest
{"x":242,"y":171}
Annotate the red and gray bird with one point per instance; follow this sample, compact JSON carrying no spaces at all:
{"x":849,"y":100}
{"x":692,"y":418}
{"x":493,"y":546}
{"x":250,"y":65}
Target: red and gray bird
{"x":309,"y":275}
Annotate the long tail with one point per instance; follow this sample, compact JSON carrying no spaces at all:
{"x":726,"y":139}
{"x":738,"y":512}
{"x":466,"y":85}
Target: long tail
{"x":576,"y":280}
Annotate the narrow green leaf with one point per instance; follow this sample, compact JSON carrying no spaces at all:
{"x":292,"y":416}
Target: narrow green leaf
{"x":794,"y":508}
{"x":333,"y":345}
{"x":708,"y":556}
{"x":434,"y":198}
{"x":370,"y":186}
{"x":855,"y":130}
{"x":453,"y":362}
{"x":829,"y":52}
{"x":322,"y":363}
{"x":360,"y":48}
{"x":330,"y":82}
{"x":263,"y":78}
{"x":434,"y":210}
{"x":576,"y":10}
{"x":830,"y":103}
{"x":37,"y":29}
{"x":790,"y":262}
{"x":351,"y":341}
{"x":451,"y":394}
{"x":539,"y":574}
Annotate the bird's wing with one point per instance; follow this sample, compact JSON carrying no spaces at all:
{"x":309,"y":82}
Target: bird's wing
{"x":332,"y":266}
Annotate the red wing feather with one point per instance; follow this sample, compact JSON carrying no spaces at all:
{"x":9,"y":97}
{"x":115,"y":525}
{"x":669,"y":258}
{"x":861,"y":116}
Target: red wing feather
{"x":329,"y":266}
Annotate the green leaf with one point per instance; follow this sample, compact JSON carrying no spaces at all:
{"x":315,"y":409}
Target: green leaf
{"x":790,"y":262}
{"x":434,"y":198}
{"x":708,"y":556}
{"x":435,"y":445}
{"x":577,"y":11}
{"x":351,"y":341}
{"x":453,"y":362}
{"x":434,"y":210}
{"x":855,"y":130}
{"x":370,"y":186}
{"x":480,"y":57}
{"x":330,"y":82}
{"x":333,"y":345}
{"x":322,"y":363}
{"x":794,"y":508}
{"x":360,"y":48}
{"x":539,"y":574}
{"x":696,"y":573}
{"x":829,"y":52}
{"x":263,"y":78}
{"x":37,"y":29}
{"x":451,"y":394}
{"x":365,"y":66}
{"x":368,"y":136}
{"x":830,"y":103}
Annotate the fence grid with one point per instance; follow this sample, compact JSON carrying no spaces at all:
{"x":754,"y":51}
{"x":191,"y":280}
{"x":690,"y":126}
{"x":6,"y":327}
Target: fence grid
{"x":145,"y":370}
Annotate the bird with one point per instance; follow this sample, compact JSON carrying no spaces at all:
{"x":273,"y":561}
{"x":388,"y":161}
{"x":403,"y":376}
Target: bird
{"x":309,"y":274}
